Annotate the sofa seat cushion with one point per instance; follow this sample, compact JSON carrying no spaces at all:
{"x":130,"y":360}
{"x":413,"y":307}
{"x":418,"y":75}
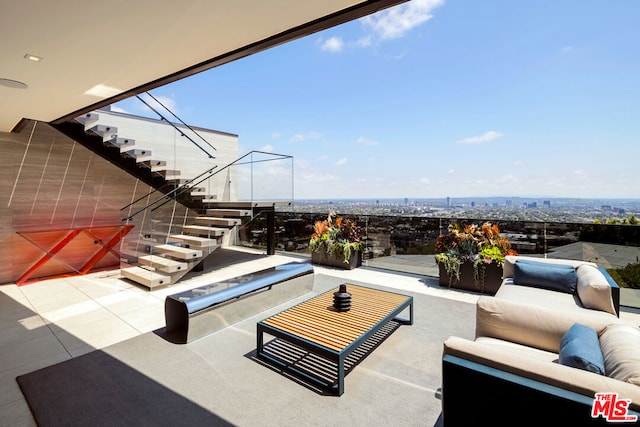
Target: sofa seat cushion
{"x":528,"y":365}
{"x":620,"y":345}
{"x":539,"y":297}
{"x":555,"y":277}
{"x":580,"y":348}
{"x":519,"y":349}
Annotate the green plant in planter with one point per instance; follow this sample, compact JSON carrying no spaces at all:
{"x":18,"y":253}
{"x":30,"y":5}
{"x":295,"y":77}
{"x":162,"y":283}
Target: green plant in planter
{"x":451,"y":262}
{"x":337,"y":238}
{"x":479,"y":245}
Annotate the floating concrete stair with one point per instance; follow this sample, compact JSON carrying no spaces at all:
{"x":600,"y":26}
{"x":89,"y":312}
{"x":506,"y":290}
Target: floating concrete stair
{"x":177,"y":181}
{"x":121,"y":143}
{"x":88,"y":120}
{"x":194,"y":241}
{"x":148,"y":278}
{"x":178,"y":252}
{"x":199,"y":193}
{"x":153,"y":164}
{"x":166,"y":265}
{"x":168,"y":174}
{"x":202,"y":230}
{"x":106,"y":132}
{"x":208,"y":201}
{"x":229,"y":213}
{"x":138,"y":154}
{"x":214,"y":221}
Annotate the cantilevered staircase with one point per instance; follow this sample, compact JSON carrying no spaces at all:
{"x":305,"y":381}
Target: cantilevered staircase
{"x":172,"y":238}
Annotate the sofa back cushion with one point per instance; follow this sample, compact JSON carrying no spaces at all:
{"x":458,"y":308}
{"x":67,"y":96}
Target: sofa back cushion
{"x":532,"y":325}
{"x":594,"y":290}
{"x":580,"y":348}
{"x":620,"y":345}
{"x":510,"y":260}
{"x":555,"y":277}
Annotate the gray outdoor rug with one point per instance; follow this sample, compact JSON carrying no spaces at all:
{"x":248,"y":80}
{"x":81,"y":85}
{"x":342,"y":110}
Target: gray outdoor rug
{"x":215,"y":381}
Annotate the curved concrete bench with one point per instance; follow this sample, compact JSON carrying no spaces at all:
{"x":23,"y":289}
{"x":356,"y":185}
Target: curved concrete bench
{"x":200,"y":311}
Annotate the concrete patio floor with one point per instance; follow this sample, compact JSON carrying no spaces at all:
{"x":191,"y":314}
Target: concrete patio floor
{"x":52,"y":321}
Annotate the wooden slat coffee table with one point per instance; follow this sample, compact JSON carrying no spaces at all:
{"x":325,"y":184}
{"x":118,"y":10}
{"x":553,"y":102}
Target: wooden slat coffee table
{"x":317,"y":327}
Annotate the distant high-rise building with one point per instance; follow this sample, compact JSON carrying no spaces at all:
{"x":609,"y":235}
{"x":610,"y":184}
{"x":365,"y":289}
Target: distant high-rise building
{"x":406,"y":201}
{"x":473,"y":204}
{"x":509,"y":203}
{"x":546,"y":203}
{"x":448,"y":201}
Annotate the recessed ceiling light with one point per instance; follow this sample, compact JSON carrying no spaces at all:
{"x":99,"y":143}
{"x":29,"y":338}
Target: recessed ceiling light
{"x":34,"y":58}
{"x":14,"y":84}
{"x":103,"y":91}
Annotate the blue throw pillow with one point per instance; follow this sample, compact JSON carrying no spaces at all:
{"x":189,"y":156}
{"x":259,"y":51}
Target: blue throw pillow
{"x":580,"y":348}
{"x":556,"y":277}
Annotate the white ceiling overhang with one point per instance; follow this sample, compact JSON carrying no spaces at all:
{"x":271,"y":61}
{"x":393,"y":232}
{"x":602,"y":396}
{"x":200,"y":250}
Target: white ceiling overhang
{"x":95,"y":53}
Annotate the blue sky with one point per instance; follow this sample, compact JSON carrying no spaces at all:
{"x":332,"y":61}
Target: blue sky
{"x":439,"y":98}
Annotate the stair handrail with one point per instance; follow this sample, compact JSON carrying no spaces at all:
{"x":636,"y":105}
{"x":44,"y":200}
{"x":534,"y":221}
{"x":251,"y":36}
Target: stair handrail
{"x":169,"y":195}
{"x":182,"y":121}
{"x":192,"y":183}
{"x":176,"y":127}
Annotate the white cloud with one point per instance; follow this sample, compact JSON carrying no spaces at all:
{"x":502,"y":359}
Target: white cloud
{"x":165,"y":101}
{"x":366,"y":141}
{"x":387,"y":24}
{"x":342,"y":162}
{"x":314,"y":177}
{"x":397,"y":21}
{"x":450,"y":171}
{"x":485,"y":137}
{"x":301,"y":137}
{"x":267,"y":148}
{"x":425,"y":181}
{"x":276,"y":135}
{"x":332,"y":44}
{"x":364,"y":41}
{"x":508,"y":179}
{"x":118,"y":109}
{"x":580,"y":175}
{"x":566,"y":49}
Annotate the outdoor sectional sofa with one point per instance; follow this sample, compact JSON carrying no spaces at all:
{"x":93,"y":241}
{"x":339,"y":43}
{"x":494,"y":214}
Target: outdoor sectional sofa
{"x":511,"y":372}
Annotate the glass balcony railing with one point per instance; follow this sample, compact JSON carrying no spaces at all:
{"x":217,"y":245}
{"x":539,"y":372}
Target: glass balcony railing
{"x":407,"y":244}
{"x":174,"y":231}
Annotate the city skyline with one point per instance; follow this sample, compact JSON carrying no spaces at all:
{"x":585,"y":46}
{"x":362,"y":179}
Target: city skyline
{"x":440,"y":98}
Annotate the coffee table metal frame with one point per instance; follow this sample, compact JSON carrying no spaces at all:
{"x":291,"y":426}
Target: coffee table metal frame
{"x":312,"y":323}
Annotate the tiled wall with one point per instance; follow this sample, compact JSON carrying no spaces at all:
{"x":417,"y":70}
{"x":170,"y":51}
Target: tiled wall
{"x":50,"y":182}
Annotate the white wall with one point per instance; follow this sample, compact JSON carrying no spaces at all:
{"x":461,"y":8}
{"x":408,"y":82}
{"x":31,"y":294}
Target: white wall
{"x":166,"y":143}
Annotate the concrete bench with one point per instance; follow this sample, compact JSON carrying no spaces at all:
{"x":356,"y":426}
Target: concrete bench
{"x":200,"y":311}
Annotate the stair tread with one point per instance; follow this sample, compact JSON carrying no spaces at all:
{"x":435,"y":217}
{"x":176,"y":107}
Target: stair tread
{"x":228,"y":212}
{"x":219,"y":221}
{"x":146,"y":277}
{"x":166,"y":265}
{"x":196,"y":242}
{"x":245,"y":205}
{"x":192,"y":238}
{"x":158,"y":260}
{"x":178,"y":251}
{"x":213,"y":231}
